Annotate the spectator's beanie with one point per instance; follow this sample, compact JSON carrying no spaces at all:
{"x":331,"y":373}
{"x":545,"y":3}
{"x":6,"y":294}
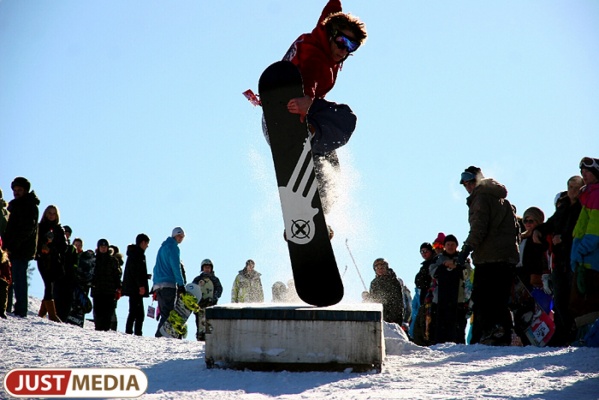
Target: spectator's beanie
{"x":535,"y":213}
{"x":178,"y":231}
{"x":22,"y":182}
{"x":450,"y":238}
{"x":426,"y":245}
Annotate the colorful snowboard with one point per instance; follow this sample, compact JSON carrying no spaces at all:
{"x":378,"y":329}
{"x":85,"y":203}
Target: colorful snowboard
{"x":186,"y":304}
{"x":315,"y":271}
{"x":529,"y":318}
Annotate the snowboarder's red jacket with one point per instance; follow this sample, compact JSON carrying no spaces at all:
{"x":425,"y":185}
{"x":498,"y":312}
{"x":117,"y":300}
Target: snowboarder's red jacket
{"x":311,"y":52}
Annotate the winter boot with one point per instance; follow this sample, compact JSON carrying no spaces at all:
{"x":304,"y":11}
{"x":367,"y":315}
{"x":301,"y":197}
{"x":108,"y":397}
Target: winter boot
{"x":51,"y":307}
{"x":43,"y":311}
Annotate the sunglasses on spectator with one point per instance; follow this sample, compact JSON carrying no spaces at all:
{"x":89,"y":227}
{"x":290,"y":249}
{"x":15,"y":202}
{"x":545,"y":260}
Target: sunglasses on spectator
{"x":529,"y":221}
{"x":344,"y":42}
{"x":588,"y":162}
{"x":424,"y":251}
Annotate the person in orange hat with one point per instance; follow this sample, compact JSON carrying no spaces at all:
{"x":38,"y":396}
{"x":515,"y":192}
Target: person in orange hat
{"x":438,"y":245}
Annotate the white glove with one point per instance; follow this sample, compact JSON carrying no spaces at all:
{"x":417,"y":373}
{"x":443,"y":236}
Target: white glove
{"x":546,"y":278}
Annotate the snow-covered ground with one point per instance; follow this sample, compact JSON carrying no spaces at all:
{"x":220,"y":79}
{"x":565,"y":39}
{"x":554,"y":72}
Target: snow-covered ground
{"x":176,"y":369}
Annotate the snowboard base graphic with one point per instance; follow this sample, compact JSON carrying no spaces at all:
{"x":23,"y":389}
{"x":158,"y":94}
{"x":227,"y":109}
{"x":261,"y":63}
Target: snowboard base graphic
{"x":529,"y":317}
{"x":315,"y":271}
{"x":176,"y":324}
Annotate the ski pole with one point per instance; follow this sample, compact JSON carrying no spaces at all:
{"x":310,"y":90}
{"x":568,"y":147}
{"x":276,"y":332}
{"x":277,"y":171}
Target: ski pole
{"x":356,"y":265}
{"x":344,"y":271}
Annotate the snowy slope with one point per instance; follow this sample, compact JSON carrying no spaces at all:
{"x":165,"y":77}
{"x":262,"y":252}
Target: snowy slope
{"x":176,"y":369}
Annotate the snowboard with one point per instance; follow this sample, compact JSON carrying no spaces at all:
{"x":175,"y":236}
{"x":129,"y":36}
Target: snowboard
{"x":207,"y":292}
{"x":81,"y":305}
{"x":185,"y":304}
{"x":315,"y":271}
{"x":529,"y":317}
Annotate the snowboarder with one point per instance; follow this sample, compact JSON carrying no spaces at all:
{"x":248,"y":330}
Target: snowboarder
{"x":319,"y":55}
{"x":168,"y":275}
{"x":207,"y":272}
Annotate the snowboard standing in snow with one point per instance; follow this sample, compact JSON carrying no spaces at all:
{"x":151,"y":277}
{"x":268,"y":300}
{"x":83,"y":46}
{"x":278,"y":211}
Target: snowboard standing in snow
{"x":81,"y":303}
{"x":315,"y":271}
{"x":529,"y":316}
{"x":185,"y":304}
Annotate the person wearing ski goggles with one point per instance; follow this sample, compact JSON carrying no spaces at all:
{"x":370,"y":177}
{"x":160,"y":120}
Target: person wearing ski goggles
{"x":319,"y":56}
{"x":584,"y":257}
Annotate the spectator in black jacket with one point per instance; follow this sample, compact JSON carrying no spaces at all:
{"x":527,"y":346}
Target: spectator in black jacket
{"x":386,"y":289}
{"x":106,"y":286}
{"x":207,"y":272}
{"x":51,"y":249}
{"x":559,"y":227}
{"x":20,"y":241}
{"x":135,"y":283}
{"x":64,"y":288}
{"x":423,"y":281}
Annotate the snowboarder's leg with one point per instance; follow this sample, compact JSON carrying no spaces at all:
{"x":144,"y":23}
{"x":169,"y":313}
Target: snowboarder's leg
{"x":331,"y":125}
{"x":166,"y":303}
{"x":201,"y":325}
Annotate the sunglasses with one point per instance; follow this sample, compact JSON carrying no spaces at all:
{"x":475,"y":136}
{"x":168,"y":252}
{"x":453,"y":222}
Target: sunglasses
{"x":529,"y":221}
{"x":424,"y":251}
{"x":588,"y":162}
{"x":343,"y":42}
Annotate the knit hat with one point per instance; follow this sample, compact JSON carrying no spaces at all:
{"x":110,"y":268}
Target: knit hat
{"x":450,"y":238}
{"x":471,"y":173}
{"x":250,"y":262}
{"x":22,"y":182}
{"x":534,"y":213}
{"x":178,"y":231}
{"x":378,"y":261}
{"x":67,"y":229}
{"x":426,"y":245}
{"x":440,"y":239}
{"x":102,"y":242}
{"x":590,"y":164}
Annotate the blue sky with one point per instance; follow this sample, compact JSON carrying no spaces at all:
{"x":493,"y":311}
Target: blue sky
{"x":129,"y":117}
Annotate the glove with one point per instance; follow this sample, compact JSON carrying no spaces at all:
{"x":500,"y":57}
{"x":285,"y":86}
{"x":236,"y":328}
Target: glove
{"x":546,"y":278}
{"x":463,"y":255}
{"x":118,"y":294}
{"x":181,"y":290}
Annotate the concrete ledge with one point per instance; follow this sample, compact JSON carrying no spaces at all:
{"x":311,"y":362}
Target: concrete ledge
{"x":289,"y":337}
